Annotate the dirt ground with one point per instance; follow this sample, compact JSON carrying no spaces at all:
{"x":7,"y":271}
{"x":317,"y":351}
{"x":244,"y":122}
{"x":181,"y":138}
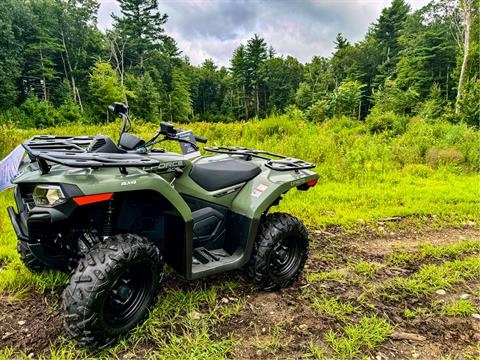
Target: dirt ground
{"x":283,"y":325}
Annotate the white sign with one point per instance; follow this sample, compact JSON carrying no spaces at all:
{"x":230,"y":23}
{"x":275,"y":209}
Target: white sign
{"x":9,"y":167}
{"x":188,"y":150}
{"x":259,"y":190}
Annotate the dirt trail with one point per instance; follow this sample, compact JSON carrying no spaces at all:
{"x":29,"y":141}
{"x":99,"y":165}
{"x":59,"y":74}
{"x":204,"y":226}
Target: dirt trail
{"x":283,"y":324}
{"x":289,"y":311}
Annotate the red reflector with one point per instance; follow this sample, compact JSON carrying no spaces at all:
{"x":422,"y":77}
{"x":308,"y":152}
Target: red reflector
{"x":312,"y":182}
{"x":89,"y":199}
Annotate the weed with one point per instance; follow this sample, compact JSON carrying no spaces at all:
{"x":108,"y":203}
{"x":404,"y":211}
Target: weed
{"x":363,"y":336}
{"x":462,"y":307}
{"x":324,"y":257}
{"x":425,"y":251}
{"x":434,"y":277}
{"x":315,"y":351}
{"x":417,"y":312}
{"x":275,"y":341}
{"x":324,"y":275}
{"x":365,"y":268}
{"x":332,"y":307}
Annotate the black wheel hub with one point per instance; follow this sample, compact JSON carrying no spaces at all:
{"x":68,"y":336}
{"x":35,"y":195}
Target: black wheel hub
{"x":128,"y":295}
{"x":285,"y":258}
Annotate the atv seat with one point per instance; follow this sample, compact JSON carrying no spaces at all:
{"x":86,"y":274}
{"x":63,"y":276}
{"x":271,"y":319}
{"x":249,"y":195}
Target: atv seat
{"x":221,"y":174}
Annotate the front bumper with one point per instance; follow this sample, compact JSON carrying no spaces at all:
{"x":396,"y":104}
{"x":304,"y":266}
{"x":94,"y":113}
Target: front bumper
{"x":14,"y":218}
{"x":37,"y":249}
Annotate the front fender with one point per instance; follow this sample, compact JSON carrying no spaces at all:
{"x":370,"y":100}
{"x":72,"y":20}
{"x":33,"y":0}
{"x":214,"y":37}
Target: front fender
{"x":262,"y":191}
{"x":111,"y":180}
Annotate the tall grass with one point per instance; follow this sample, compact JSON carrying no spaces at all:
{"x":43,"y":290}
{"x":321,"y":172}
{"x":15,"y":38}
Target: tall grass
{"x":429,"y":169}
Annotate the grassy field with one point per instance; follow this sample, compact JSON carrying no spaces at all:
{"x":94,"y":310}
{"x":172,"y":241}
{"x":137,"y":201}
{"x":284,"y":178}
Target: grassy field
{"x":371,"y":186}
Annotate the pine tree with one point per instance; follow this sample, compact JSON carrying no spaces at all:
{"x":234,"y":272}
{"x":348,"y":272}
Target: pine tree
{"x":387,"y":32}
{"x":241,"y":77}
{"x":141,"y":26}
{"x":43,"y":48}
{"x":12,"y":14}
{"x":179,"y":100}
{"x":256,"y":55}
{"x":340,"y":42}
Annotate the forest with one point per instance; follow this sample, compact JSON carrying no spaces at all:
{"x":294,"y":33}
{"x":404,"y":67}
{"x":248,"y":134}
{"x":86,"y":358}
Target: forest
{"x":57,"y":67}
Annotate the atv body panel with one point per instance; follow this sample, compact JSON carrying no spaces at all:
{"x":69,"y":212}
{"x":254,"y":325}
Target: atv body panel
{"x":203,"y":219}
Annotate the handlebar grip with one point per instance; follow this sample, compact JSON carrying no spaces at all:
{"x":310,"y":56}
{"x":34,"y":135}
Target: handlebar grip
{"x":201,"y":139}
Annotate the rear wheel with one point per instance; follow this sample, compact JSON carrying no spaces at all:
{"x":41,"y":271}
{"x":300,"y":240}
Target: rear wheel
{"x":28,"y":259}
{"x":279,"y":253}
{"x":111,"y":290}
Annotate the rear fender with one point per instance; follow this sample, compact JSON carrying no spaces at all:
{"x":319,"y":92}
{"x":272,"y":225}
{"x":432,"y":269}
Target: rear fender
{"x":264,"y":190}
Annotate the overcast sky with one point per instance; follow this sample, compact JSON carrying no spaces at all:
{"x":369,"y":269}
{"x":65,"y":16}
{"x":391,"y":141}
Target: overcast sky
{"x":301,"y":28}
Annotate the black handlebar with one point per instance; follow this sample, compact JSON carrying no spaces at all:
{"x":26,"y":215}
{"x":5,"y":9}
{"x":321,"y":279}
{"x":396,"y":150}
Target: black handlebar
{"x":201,"y":139}
{"x":166,"y":128}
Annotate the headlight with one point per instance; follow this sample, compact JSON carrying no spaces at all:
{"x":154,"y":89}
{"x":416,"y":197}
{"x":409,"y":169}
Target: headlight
{"x":48,"y":195}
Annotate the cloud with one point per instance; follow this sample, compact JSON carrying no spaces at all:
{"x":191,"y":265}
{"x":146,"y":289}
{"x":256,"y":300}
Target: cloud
{"x":301,"y":28}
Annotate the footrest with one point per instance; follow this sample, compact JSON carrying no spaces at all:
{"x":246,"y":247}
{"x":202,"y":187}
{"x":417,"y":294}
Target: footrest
{"x":204,"y":256}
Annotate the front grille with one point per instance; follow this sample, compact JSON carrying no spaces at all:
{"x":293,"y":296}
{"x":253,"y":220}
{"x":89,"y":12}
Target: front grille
{"x":28,"y":200}
{"x":26,"y":195}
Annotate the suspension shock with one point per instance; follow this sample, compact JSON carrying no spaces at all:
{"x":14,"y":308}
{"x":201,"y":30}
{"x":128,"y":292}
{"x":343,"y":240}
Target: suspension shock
{"x":108,"y":219}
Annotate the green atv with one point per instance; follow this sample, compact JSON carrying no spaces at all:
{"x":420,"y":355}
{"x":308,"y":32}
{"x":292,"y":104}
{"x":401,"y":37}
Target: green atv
{"x":112,"y":214}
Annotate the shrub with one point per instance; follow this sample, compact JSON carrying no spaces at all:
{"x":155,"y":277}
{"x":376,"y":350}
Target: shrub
{"x":318,"y":111}
{"x":69,"y":112}
{"x":294,"y":113}
{"x":388,"y":121}
{"x":470,"y":104}
{"x":346,"y":99}
{"x":391,"y":98}
{"x":38,"y":114}
{"x":434,"y":105}
{"x":436,"y":157}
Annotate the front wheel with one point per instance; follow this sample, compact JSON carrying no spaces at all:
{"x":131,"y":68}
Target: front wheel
{"x":111,"y":290}
{"x":28,"y":259}
{"x":279,"y":253}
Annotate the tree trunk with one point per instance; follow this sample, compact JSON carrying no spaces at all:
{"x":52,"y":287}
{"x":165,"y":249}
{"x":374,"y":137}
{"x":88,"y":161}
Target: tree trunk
{"x":245,"y":102}
{"x":44,"y":81}
{"x":467,"y":13}
{"x":257,"y":100}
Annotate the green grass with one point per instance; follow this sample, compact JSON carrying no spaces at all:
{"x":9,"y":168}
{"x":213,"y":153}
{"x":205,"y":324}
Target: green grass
{"x":363,"y":177}
{"x":358,"y":338}
{"x":433,"y":277}
{"x":172,"y":331}
{"x":426,"y":251}
{"x":274,"y":342}
{"x":324,"y":275}
{"x":365,"y":268}
{"x":417,"y":312}
{"x":331,"y":306}
{"x":462,"y":307}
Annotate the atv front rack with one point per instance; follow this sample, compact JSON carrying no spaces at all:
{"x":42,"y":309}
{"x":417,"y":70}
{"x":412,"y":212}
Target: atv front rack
{"x":71,"y":151}
{"x":283,"y":163}
{"x":94,"y":160}
{"x":50,"y":143}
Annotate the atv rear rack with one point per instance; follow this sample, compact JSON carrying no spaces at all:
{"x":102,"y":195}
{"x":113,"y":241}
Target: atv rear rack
{"x":71,"y":151}
{"x":283,"y":164}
